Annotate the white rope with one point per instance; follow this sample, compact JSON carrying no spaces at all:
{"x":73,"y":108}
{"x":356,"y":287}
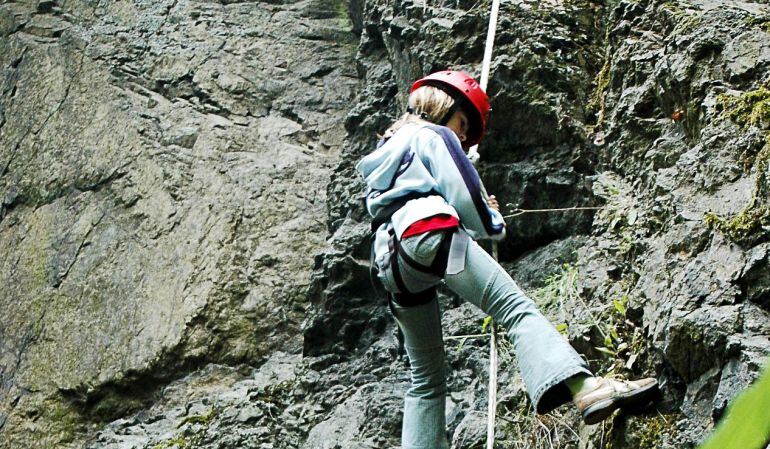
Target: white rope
{"x":486,"y":62}
{"x":516,"y":212}
{"x":473,"y":154}
{"x":492,"y":409}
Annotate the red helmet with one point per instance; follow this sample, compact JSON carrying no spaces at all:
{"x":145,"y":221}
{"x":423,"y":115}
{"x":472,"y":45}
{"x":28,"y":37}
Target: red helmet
{"x":463,"y":88}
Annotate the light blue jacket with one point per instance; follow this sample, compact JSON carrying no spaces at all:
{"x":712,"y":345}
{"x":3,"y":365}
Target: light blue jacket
{"x":420,"y":160}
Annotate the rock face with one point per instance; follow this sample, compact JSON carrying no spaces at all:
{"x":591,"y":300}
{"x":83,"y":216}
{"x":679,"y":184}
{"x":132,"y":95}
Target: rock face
{"x":162,"y":173}
{"x":185,"y":256}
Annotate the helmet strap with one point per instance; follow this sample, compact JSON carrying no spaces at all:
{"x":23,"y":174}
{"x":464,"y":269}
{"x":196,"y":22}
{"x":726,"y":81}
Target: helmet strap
{"x":459,"y":102}
{"x":448,"y":116}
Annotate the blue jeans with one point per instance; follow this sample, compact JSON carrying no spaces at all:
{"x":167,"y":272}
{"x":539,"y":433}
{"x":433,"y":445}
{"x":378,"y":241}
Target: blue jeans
{"x":544,"y":356}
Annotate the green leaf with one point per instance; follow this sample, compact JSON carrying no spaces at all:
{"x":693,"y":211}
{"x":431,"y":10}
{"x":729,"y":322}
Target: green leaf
{"x":614,"y":334}
{"x":608,"y":342}
{"x":620,"y":306}
{"x":562,"y":327}
{"x":486,"y":323}
{"x":746,"y":424}
{"x":606,"y":351}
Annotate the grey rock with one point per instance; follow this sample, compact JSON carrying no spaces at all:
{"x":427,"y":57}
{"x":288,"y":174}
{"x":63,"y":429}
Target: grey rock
{"x":747,"y":53}
{"x":145,"y":193}
{"x":186,"y":252}
{"x":755,"y":278}
{"x":184,"y":137}
{"x":471,"y":431}
{"x":249,"y":414}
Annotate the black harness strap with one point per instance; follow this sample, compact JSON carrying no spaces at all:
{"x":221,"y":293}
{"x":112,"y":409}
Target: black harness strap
{"x":407,"y":298}
{"x":414,"y":299}
{"x":438,"y":266}
{"x":384,"y":215}
{"x":394,"y":263}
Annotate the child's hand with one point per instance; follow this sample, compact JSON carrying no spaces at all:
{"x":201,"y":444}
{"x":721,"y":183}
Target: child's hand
{"x":493,"y":204}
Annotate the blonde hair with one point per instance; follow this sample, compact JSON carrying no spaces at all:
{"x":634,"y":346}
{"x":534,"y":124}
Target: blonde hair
{"x":426,"y":104}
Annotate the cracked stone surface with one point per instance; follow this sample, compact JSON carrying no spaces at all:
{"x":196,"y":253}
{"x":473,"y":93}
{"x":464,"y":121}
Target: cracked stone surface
{"x":162,"y":182}
{"x":185,"y":253}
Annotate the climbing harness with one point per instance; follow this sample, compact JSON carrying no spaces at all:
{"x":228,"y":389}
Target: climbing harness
{"x":450,"y":257}
{"x":384,"y":215}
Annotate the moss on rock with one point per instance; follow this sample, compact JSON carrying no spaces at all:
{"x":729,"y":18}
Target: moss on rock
{"x":64,"y":418}
{"x":748,"y":109}
{"x":596,"y":102}
{"x":194,"y":428}
{"x":763,"y":23}
{"x":752,"y":224}
{"x":651,"y":433}
{"x":743,"y":227}
{"x":174,"y":443}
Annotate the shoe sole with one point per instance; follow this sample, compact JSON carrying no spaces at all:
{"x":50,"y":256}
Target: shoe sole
{"x":603,"y":409}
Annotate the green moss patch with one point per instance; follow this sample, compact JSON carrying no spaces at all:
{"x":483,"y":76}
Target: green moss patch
{"x":65,"y":420}
{"x":652,"y":432}
{"x":193,"y":428}
{"x":762,"y":22}
{"x":752,"y":224}
{"x":278,"y":393}
{"x":596,"y":102}
{"x":743,"y":227}
{"x":204,"y":420}
{"x":174,"y":443}
{"x":749,"y":109}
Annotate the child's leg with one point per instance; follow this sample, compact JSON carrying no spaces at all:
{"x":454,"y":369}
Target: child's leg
{"x":545,"y":358}
{"x":424,"y":421}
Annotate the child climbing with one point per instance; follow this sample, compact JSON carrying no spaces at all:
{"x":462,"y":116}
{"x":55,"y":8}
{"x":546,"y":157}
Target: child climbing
{"x":429,"y":207}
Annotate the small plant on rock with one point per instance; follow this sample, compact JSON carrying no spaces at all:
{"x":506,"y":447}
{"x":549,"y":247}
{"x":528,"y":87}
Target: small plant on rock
{"x":623,"y":341}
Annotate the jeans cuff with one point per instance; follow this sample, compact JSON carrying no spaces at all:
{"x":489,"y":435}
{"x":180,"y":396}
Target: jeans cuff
{"x":554,"y":392}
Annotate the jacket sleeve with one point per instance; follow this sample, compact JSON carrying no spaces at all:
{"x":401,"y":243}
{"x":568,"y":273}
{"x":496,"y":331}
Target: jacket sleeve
{"x":458,"y":182}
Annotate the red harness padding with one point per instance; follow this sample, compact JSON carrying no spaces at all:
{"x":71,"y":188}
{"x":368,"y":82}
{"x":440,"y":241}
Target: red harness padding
{"x":434,"y":223}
